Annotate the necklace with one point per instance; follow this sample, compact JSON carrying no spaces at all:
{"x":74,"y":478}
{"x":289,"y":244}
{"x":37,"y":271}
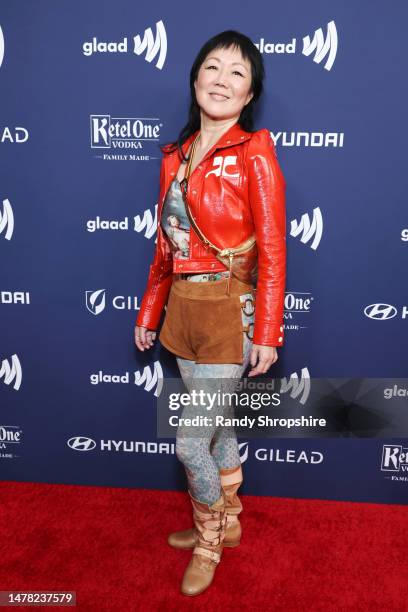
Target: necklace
{"x":184,"y":182}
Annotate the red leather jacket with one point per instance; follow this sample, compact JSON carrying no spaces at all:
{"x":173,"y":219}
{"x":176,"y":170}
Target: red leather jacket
{"x":236,"y":190}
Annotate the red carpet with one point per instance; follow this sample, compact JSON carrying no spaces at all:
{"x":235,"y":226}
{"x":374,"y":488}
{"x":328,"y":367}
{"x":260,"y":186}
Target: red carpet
{"x":109,"y":545}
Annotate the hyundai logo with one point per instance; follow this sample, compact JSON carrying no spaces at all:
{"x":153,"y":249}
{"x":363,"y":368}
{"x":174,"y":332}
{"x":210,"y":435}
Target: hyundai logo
{"x":380,"y":312}
{"x":81,"y":443}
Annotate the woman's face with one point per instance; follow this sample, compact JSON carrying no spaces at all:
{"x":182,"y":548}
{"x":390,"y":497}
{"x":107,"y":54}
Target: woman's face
{"x":173,"y":221}
{"x":223,"y":84}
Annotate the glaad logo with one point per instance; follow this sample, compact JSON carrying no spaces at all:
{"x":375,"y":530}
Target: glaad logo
{"x":152,"y":46}
{"x":11,"y":372}
{"x":395,"y":391}
{"x":404,"y":235}
{"x":1,"y":46}
{"x":297,"y":386}
{"x":146,"y":224}
{"x":294,"y":386}
{"x":105,"y":224}
{"x":383,"y":312}
{"x":394,"y":458}
{"x":10,"y":438}
{"x":308,"y":139}
{"x":147,"y":378}
{"x":150,"y":379}
{"x":321,"y":46}
{"x":95,"y":301}
{"x":307,"y":229}
{"x":15,"y":134}
{"x":82,"y":443}
{"x":6,"y":220}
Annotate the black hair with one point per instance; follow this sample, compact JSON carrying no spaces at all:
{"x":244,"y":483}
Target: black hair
{"x":223,"y":40}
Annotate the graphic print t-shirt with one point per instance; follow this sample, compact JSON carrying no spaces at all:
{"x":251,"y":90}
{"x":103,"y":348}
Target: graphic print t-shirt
{"x":174,"y":221}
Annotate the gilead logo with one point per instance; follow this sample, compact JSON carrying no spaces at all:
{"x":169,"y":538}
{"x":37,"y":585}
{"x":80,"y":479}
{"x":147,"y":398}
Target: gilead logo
{"x":95,"y":301}
{"x":277,"y":455}
{"x":288,"y":456}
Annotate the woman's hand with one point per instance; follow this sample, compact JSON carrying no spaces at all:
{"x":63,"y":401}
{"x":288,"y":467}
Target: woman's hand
{"x":144,"y":337}
{"x":267,"y":355}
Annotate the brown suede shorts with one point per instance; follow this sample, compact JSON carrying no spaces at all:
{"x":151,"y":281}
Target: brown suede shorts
{"x":203,"y":323}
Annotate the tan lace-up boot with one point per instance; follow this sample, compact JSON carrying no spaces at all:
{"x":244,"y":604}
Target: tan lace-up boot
{"x":231,"y":480}
{"x":210,"y":522}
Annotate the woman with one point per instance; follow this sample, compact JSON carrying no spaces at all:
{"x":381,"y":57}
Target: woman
{"x":230,"y":192}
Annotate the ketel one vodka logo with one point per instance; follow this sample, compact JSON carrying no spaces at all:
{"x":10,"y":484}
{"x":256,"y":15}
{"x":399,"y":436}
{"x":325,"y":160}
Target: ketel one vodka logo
{"x":10,"y":441}
{"x":95,"y":301}
{"x":297,"y":302}
{"x":149,"y":47}
{"x":394,"y":458}
{"x":122,"y":133}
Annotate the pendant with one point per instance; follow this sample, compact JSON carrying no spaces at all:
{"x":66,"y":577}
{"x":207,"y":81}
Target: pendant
{"x":183,"y":185}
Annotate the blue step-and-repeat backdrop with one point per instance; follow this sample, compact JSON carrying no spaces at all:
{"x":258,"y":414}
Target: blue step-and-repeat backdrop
{"x":88,"y":91}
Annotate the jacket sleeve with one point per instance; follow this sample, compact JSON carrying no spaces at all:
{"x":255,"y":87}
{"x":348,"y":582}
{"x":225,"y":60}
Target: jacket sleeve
{"x":267,"y":186}
{"x":160,"y":276}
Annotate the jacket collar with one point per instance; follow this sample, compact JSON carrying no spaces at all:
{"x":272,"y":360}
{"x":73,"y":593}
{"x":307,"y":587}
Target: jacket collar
{"x":234,"y":135}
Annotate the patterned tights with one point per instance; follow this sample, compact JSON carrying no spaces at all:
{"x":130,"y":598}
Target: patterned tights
{"x":210,"y":448}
